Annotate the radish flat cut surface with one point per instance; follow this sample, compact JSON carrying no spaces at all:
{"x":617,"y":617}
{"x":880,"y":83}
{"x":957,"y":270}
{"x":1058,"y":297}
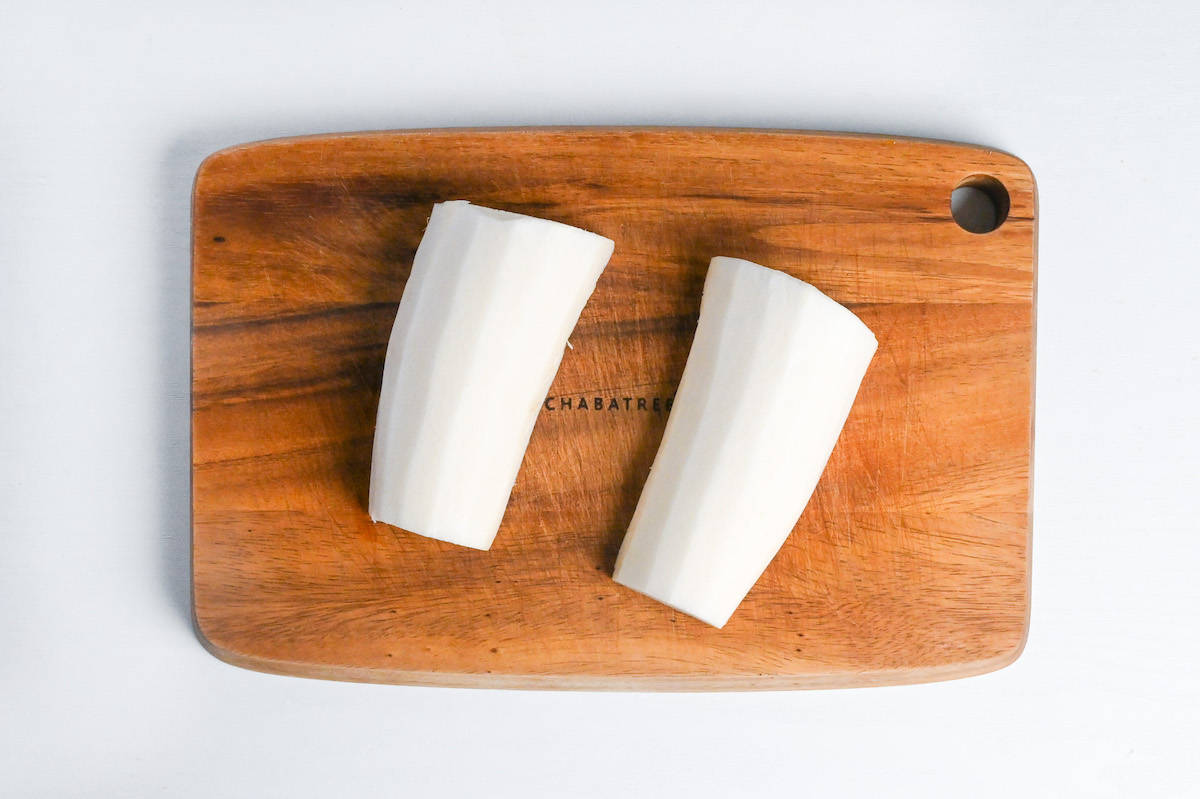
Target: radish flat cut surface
{"x":486,"y":312}
{"x":771,"y":376}
{"x":911,"y":561}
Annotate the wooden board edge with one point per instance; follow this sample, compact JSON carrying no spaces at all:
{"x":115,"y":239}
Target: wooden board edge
{"x":605,"y":683}
{"x":1033,"y":371}
{"x":213,"y":158}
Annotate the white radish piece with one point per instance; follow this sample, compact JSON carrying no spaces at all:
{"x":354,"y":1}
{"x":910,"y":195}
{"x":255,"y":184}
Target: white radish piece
{"x":773,"y":371}
{"x":477,"y":340}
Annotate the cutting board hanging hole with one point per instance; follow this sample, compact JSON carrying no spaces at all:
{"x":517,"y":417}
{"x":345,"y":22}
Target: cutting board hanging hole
{"x":979,"y":204}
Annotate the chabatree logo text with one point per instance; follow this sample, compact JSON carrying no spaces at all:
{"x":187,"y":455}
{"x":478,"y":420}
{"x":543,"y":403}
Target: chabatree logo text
{"x":648,"y":404}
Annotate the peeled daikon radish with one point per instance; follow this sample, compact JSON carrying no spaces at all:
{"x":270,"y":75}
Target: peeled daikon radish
{"x":477,"y":340}
{"x":773,"y":371}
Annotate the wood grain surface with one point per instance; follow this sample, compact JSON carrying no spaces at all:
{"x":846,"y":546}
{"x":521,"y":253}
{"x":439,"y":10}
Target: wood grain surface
{"x":911,"y":562}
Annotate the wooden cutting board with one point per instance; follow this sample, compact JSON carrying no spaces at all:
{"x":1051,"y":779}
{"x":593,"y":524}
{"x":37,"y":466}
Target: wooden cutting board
{"x":911,"y":562}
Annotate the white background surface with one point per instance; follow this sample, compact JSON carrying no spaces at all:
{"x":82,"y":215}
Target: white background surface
{"x":105,"y":112}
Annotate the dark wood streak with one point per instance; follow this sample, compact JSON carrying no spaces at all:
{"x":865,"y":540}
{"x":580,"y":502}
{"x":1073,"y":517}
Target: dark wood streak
{"x":247,"y":324}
